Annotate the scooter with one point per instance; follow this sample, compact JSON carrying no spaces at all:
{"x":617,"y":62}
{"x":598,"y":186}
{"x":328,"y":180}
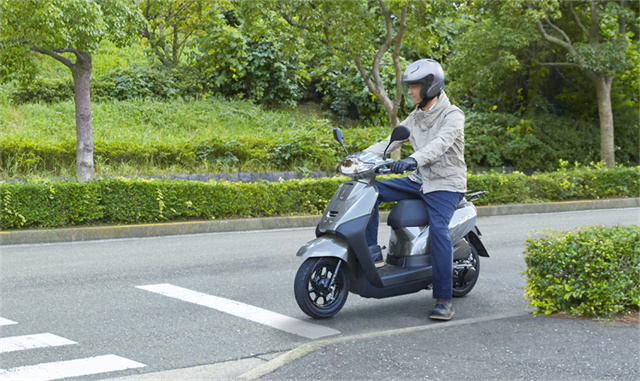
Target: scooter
{"x":338,"y":261}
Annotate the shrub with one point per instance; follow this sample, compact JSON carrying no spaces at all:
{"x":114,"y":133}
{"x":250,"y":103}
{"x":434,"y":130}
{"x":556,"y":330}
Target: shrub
{"x":48,"y":203}
{"x":586,"y":272}
{"x":539,"y":143}
{"x":146,"y":82}
{"x":43,"y":90}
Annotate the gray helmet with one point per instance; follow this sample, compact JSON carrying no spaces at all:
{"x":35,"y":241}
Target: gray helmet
{"x":420,"y":72}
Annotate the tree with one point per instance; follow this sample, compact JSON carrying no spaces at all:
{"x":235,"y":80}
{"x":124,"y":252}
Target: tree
{"x":361,"y":32}
{"x":68,"y":31}
{"x":171,"y":25}
{"x":598,"y":49}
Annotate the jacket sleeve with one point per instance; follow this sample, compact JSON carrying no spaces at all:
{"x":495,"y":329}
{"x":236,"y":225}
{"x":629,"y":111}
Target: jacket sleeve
{"x":452,"y":128}
{"x":378,"y":148}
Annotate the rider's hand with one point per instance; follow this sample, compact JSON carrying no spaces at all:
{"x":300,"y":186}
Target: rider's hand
{"x":401,"y":166}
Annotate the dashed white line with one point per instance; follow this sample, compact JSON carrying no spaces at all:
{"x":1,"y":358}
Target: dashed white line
{"x":245,"y":311}
{"x":72,"y":368}
{"x":42,"y":340}
{"x":4,"y":321}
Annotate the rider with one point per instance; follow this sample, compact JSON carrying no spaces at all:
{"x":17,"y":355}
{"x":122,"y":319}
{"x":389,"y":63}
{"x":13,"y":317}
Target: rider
{"x":440,"y":175}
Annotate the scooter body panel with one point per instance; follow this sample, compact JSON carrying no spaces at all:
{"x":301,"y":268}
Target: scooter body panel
{"x":352,"y":200}
{"x":407,"y":241}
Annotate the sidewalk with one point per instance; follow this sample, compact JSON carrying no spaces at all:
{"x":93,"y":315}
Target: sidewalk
{"x":34,"y":236}
{"x":516,"y":347}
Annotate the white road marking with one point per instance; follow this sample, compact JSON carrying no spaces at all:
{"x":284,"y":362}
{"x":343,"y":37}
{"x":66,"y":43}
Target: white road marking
{"x":42,"y":340}
{"x":4,"y":321}
{"x":72,"y":368}
{"x":245,"y":311}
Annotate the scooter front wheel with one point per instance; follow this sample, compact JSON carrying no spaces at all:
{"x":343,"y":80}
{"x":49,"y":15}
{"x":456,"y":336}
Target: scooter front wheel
{"x":321,"y":286}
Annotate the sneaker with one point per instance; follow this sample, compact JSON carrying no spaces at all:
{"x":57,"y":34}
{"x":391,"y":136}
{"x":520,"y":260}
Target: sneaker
{"x":443,"y":310}
{"x":376,"y":253}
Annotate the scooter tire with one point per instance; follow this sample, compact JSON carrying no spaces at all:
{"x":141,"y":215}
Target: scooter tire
{"x":318,"y":292}
{"x":464,"y":289}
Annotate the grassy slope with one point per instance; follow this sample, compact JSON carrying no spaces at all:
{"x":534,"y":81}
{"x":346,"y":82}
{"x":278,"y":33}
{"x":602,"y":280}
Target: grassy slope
{"x":144,"y":126}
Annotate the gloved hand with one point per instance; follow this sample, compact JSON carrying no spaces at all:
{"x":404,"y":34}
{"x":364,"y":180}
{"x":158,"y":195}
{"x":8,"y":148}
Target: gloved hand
{"x":401,"y":166}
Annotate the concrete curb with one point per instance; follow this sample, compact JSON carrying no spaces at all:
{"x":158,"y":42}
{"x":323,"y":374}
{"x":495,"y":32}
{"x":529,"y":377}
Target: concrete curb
{"x":305,"y":349}
{"x":35,"y":236}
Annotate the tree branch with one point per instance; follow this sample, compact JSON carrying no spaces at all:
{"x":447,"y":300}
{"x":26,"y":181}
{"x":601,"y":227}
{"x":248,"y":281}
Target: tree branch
{"x":396,"y":56}
{"x":64,"y":60}
{"x":557,"y":63}
{"x":594,"y":33}
{"x":557,"y":29}
{"x":554,"y":40}
{"x":577,"y":18}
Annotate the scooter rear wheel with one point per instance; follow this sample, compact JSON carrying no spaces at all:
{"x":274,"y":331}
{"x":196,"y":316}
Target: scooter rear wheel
{"x":321,"y":287}
{"x":466,"y":275}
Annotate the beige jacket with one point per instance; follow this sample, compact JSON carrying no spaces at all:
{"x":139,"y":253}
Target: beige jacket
{"x":437,"y":137}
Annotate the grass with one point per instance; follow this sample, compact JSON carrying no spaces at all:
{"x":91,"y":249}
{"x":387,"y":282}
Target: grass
{"x":152,"y":128}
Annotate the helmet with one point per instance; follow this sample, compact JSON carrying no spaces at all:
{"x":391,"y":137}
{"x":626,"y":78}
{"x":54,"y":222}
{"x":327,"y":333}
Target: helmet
{"x":429,"y":73}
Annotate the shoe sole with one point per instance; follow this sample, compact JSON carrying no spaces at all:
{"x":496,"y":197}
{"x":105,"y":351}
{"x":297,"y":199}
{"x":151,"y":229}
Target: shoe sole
{"x":438,"y":317}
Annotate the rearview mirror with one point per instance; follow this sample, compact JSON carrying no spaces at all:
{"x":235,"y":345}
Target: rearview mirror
{"x":337,"y":135}
{"x":399,"y":133}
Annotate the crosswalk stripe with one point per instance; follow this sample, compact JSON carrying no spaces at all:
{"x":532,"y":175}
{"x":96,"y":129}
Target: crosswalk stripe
{"x":42,"y":340}
{"x":72,"y":368}
{"x":4,"y":321}
{"x":245,"y":311}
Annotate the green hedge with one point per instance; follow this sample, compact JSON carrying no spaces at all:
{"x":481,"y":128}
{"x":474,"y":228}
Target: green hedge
{"x":48,"y":203}
{"x":586,"y":272}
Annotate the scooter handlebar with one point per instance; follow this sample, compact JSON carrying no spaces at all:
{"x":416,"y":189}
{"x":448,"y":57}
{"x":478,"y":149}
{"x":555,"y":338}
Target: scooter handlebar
{"x":387,"y":169}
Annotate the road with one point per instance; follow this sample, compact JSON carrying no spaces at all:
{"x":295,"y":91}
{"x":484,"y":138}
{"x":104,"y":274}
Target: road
{"x":123,"y":307}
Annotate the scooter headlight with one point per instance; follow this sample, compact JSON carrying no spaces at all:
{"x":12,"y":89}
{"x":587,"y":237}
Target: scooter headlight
{"x":353,"y":166}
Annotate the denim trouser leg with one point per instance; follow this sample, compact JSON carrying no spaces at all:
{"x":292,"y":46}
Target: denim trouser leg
{"x":440,"y":205}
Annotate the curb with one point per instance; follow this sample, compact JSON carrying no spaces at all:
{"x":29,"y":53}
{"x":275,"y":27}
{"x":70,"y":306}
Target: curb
{"x":305,"y":349}
{"x":92,"y":233}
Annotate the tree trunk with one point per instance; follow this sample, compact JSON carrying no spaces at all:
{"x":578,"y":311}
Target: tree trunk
{"x":607,"y":147}
{"x":84,"y":146}
{"x":393,"y":121}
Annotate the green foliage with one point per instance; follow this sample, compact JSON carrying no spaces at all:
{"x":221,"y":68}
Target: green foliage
{"x":240,"y":63}
{"x":70,"y":25}
{"x":152,"y":137}
{"x":578,"y":183}
{"x":144,"y":82}
{"x":539,"y":143}
{"x":48,"y":203}
{"x":43,"y":90}
{"x":345,"y":95}
{"x":44,"y":203}
{"x":586,"y":272}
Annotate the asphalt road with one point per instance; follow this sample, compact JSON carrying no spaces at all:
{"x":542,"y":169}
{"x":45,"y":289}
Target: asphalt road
{"x":105,"y":297}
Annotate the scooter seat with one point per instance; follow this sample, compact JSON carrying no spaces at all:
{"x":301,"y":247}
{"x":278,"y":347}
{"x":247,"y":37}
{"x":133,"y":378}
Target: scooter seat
{"x":408,"y":213}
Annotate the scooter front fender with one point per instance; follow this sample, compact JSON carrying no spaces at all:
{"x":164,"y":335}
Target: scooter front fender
{"x":326,"y":246}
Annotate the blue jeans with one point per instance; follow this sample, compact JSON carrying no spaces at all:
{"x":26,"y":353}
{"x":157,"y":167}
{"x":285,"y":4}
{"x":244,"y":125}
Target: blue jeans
{"x":440,"y":205}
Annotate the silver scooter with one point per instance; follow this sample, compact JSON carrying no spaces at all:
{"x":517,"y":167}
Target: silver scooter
{"x":338,"y":261}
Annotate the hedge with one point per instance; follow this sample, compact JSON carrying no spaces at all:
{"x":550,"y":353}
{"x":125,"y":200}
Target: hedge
{"x":48,"y":203}
{"x":587,"y":272}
